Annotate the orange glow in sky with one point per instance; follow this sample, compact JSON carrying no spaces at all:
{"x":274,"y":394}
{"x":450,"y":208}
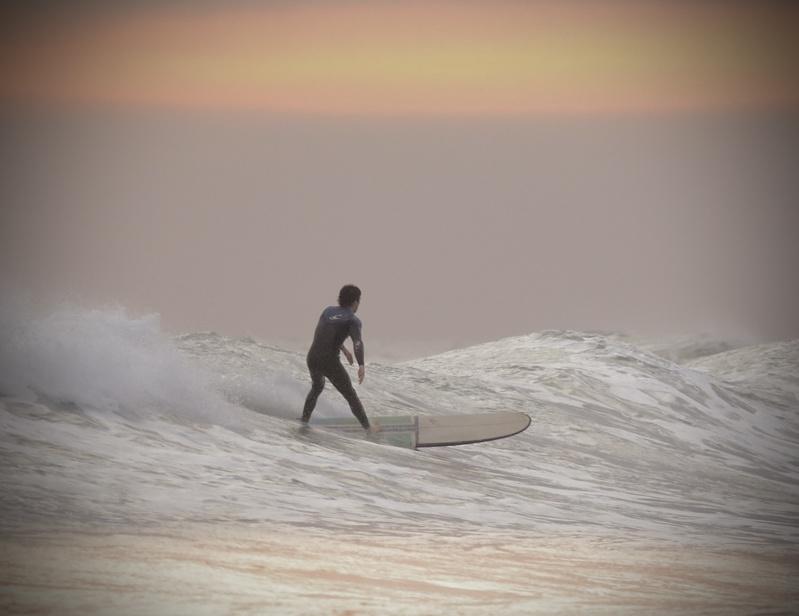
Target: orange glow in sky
{"x":450,"y":58}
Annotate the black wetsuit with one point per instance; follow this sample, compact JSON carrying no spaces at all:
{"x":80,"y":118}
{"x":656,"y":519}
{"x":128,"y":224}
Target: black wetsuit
{"x":335,"y":325}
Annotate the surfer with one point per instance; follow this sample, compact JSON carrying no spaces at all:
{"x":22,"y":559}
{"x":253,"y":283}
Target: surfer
{"x":335,"y":325}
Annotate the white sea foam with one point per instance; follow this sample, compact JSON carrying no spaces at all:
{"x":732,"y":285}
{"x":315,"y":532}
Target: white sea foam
{"x":115,"y":420}
{"x":107,"y":422}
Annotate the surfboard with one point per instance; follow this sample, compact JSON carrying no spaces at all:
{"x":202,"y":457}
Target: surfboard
{"x":414,"y":431}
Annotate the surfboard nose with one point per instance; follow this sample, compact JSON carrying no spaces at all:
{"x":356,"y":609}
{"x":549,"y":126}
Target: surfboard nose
{"x":438,"y":431}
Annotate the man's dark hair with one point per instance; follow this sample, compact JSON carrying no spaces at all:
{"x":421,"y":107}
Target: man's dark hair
{"x":348,"y":295}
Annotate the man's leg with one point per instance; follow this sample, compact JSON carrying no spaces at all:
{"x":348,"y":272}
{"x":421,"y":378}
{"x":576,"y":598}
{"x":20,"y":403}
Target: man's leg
{"x":317,"y":385}
{"x":341,"y":381}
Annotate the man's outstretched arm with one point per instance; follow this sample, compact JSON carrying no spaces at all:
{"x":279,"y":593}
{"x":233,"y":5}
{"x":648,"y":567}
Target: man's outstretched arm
{"x":357,"y":346}
{"x":359,"y":354}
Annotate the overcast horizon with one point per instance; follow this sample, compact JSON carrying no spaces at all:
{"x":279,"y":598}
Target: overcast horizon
{"x":648,"y":205}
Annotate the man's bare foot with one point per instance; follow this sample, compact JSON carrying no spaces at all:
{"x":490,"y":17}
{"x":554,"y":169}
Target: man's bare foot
{"x":374,"y":428}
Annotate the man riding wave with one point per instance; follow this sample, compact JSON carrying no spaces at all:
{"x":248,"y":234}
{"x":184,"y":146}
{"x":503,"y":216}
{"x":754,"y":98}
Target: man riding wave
{"x":336,"y":324}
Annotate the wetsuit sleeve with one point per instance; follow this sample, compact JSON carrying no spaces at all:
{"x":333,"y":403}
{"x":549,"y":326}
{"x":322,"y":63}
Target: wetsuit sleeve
{"x":357,"y":343}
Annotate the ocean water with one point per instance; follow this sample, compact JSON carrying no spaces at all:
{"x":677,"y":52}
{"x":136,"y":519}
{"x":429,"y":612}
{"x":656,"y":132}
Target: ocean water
{"x":149,"y":473}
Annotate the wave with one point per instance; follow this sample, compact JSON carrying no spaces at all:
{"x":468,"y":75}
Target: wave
{"x":106,"y":418}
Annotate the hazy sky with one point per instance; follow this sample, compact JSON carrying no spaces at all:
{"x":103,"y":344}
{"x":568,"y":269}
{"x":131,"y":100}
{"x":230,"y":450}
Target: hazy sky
{"x":480,"y":169}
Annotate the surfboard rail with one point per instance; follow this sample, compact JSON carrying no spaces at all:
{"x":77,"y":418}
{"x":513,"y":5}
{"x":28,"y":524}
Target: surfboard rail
{"x":417,"y":431}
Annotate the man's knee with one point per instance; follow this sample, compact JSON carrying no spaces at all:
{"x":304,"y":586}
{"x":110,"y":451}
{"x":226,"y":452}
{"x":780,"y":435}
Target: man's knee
{"x":347,"y":390}
{"x":317,"y":382}
{"x":350,"y":394}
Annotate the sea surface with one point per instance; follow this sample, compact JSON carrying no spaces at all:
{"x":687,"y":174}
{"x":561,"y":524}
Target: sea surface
{"x":143,"y":472}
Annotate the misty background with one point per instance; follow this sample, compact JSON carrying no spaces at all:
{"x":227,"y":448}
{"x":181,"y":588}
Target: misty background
{"x":457,"y":230}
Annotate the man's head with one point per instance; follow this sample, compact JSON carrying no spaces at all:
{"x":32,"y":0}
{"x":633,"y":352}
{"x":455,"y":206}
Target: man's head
{"x":349,"y":296}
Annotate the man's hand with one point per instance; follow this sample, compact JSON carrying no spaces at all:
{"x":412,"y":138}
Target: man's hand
{"x":361,"y":374}
{"x":347,"y":354}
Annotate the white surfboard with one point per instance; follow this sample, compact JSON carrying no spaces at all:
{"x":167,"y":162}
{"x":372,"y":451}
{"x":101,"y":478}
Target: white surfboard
{"x":415,"y":431}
